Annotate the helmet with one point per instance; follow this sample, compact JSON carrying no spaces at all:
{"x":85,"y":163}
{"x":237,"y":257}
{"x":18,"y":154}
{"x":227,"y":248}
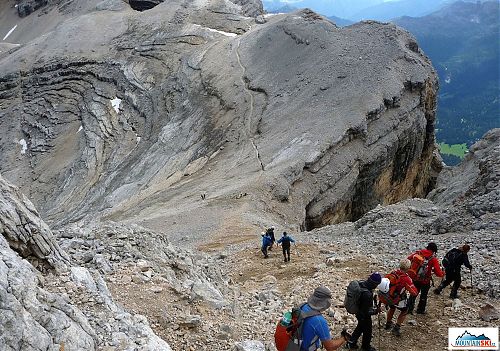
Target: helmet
{"x":272,"y":227}
{"x":384,"y":285}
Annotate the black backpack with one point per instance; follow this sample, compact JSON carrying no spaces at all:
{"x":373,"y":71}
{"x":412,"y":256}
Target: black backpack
{"x":452,"y":258}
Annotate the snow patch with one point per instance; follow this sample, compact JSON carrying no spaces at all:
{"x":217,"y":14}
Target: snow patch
{"x":138,"y":139}
{"x":79,"y":129}
{"x":22,"y":142}
{"x":116,"y":104}
{"x":227,"y":34}
{"x":268,"y":15}
{"x":10,"y":32}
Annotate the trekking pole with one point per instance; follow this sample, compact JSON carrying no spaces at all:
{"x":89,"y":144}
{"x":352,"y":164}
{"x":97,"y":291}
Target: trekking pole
{"x":377,"y":306}
{"x":471,"y":284}
{"x":442,"y":295}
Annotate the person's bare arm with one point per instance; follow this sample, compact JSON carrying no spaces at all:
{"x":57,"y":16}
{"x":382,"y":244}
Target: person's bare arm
{"x":333,"y":344}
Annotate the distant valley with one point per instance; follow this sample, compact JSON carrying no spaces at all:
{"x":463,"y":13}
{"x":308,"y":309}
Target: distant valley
{"x":462,"y":40}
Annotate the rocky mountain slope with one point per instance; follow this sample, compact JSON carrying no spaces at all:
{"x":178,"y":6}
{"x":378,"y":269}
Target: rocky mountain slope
{"x":231,"y":298}
{"x":193,"y":97}
{"x":156,"y":144}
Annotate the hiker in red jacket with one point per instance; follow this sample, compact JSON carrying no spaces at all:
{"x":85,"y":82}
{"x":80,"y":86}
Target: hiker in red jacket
{"x":395,"y":295}
{"x":423,"y":264}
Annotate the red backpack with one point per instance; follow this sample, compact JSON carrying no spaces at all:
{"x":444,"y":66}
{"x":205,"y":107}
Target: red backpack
{"x":393,"y":296}
{"x":288,"y":334}
{"x":419,"y":266}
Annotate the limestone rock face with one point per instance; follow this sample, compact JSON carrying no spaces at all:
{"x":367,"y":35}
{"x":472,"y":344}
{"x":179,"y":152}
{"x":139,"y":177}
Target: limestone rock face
{"x":25,"y":231}
{"x":25,"y":7}
{"x":293,"y":116}
{"x":33,"y":316}
{"x":250,"y":8}
{"x":38,"y":308}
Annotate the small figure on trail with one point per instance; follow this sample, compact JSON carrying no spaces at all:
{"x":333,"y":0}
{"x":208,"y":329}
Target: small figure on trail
{"x":452,"y":263}
{"x":270,"y":233}
{"x":265,"y":244}
{"x":305,"y":328}
{"x":423,"y":264}
{"x":359,"y":300}
{"x":394,"y":296}
{"x":285,"y":242}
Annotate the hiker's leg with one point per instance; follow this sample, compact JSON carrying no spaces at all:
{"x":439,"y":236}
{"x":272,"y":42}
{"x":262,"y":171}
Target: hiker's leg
{"x":357,"y":332}
{"x":390,"y":314}
{"x":402,"y":316}
{"x":284,"y":252}
{"x":288,"y":252}
{"x":412,"y":299}
{"x":448,"y":278}
{"x":367,"y":334}
{"x":422,"y":303}
{"x":456,"y":284}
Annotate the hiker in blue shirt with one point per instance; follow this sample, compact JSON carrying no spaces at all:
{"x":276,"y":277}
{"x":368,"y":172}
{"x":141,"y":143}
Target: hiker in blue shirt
{"x":266,"y":241}
{"x":315,"y":331}
{"x":285,"y":244}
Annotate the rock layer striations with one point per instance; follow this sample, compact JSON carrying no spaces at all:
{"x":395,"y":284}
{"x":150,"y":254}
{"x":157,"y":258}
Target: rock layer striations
{"x":132,"y":115}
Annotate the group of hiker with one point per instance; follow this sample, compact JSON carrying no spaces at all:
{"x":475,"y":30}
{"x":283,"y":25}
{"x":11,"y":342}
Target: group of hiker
{"x":305,"y":328}
{"x":268,"y":240}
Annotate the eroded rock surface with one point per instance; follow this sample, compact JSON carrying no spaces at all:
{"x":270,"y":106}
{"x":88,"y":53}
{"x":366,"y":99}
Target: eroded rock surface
{"x":293,"y":118}
{"x":50,"y":309}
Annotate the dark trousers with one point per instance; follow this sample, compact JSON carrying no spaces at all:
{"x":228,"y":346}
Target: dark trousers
{"x":452,"y":276}
{"x":264,"y":250}
{"x":286,"y":251}
{"x":422,"y":302}
{"x":364,"y":327}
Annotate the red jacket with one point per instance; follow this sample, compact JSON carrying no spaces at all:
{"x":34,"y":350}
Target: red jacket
{"x":406,"y":282}
{"x":432,"y":267}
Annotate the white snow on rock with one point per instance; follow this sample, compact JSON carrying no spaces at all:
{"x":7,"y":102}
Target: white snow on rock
{"x":10,"y":32}
{"x":227,"y":34}
{"x":24,"y":145}
{"x":79,"y":129}
{"x":116,"y":104}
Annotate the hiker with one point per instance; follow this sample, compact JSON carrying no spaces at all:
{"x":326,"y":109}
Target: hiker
{"x":423,"y":264}
{"x":365,"y":311}
{"x":285,"y":245}
{"x":395,"y":296}
{"x":452,"y":262}
{"x":315,"y":331}
{"x":270,"y":233}
{"x":265,"y":244}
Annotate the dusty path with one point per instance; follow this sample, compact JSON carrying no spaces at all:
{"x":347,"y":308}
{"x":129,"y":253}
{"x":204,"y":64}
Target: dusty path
{"x":264,"y":288}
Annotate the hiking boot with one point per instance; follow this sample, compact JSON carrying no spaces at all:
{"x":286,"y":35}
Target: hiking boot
{"x":421,"y":312}
{"x":351,"y":346}
{"x":371,"y":348}
{"x":454,"y":296}
{"x":388,"y":325}
{"x":396,"y":330}
{"x":284,"y":260}
{"x":437,"y":291}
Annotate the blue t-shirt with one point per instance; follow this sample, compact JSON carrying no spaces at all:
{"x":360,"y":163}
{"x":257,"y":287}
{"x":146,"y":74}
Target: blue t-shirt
{"x":314,"y":326}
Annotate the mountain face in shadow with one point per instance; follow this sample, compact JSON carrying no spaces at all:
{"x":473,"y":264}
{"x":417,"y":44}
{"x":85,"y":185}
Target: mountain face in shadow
{"x":462,"y":42}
